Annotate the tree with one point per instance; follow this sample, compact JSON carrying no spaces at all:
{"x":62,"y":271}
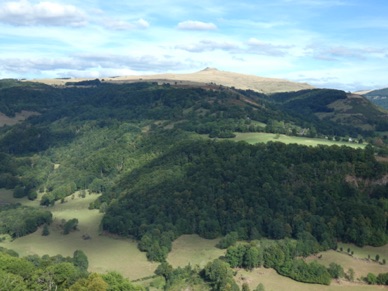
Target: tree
{"x":45,"y":231}
{"x":117,"y":282}
{"x":371,"y":279}
{"x":220,"y":275}
{"x":350,"y":275}
{"x":70,"y":225}
{"x":228,"y":240}
{"x":252,"y":258}
{"x":80,"y":260}
{"x":260,"y":287}
{"x":336,"y":271}
{"x":93,"y":282}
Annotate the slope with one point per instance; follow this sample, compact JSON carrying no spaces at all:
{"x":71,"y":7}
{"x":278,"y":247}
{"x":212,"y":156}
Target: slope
{"x":206,"y":76}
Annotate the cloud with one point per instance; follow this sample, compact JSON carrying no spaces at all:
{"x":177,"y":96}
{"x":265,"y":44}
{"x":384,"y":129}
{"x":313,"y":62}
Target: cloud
{"x":196,"y":25}
{"x":125,"y":25}
{"x":24,"y":13}
{"x":337,"y":53}
{"x":263,"y":48}
{"x":208,"y":45}
{"x":86,"y":65}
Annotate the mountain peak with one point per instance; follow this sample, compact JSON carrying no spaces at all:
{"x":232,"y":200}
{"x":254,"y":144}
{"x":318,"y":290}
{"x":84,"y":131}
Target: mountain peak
{"x":209,"y":69}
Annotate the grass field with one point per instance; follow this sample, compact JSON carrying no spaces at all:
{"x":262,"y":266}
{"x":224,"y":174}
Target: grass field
{"x":260,"y":137}
{"x":274,"y":282}
{"x":104,"y":253}
{"x":194,"y":250}
{"x":361,"y":266}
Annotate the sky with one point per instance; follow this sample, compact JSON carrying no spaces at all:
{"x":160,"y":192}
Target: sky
{"x":340,"y":44}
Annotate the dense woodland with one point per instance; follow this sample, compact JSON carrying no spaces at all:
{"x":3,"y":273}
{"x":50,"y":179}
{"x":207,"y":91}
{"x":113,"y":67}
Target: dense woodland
{"x":157,"y":155}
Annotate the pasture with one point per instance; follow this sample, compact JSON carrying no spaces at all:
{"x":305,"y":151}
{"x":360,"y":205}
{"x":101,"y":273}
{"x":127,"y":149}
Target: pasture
{"x":274,"y":282}
{"x":193,"y":250}
{"x":361,"y":266}
{"x":260,"y":137}
{"x":105,"y":253}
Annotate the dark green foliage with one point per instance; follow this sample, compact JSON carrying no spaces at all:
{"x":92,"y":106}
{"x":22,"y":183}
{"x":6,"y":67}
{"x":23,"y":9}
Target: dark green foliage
{"x":371,"y":279}
{"x":336,"y":271}
{"x":273,"y":190}
{"x":45,"y":231}
{"x":19,"y":220}
{"x":80,"y":260}
{"x":117,"y":282}
{"x":281,"y":256}
{"x":56,"y":273}
{"x":379,"y":97}
{"x":70,"y":225}
{"x":220,"y":276}
{"x":228,"y":240}
{"x":181,"y":278}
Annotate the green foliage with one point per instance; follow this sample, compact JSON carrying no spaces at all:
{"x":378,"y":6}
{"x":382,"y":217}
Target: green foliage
{"x":228,"y":240}
{"x":220,"y":276}
{"x":45,"y":231}
{"x":371,"y":279}
{"x":117,"y":282}
{"x":336,"y":271}
{"x":272,"y":190}
{"x":56,"y":273}
{"x":259,"y":287}
{"x":282,"y":256}
{"x":80,"y":260}
{"x":70,"y":225}
{"x":19,"y":220}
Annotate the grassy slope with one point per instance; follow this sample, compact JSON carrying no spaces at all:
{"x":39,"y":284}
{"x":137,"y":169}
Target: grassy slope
{"x":109,"y":253}
{"x":194,"y":250}
{"x":273,"y":282}
{"x":104,"y":253}
{"x":253,"y":138}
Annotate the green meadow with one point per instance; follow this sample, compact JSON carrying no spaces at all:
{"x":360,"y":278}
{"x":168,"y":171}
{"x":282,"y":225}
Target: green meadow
{"x":260,"y":137}
{"x":105,"y":253}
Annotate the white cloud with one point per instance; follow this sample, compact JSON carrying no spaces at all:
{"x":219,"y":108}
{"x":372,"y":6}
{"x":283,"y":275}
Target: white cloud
{"x":208,"y":45}
{"x":125,"y":25}
{"x":265,"y":48}
{"x":24,"y":13}
{"x":336,"y":53}
{"x":196,"y":25}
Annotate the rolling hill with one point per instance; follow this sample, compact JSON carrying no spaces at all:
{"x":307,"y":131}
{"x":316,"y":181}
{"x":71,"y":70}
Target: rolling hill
{"x":379,"y":97}
{"x":155,"y":151}
{"x":206,"y":76}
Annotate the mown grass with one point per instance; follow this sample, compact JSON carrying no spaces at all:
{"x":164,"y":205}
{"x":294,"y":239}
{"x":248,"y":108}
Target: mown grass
{"x":260,"y":137}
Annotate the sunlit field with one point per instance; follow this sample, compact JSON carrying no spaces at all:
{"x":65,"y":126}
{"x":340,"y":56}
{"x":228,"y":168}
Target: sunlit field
{"x":194,"y":250}
{"x":274,"y":282}
{"x":105,"y":253}
{"x":259,"y":137}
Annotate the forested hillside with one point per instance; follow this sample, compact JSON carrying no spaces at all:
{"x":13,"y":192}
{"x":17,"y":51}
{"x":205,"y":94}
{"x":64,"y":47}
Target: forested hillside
{"x":379,"y":97}
{"x":157,"y":155}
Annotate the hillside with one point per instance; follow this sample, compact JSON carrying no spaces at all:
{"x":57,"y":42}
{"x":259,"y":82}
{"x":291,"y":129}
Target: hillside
{"x":206,"y":76}
{"x":157,"y":155}
{"x":379,"y":97}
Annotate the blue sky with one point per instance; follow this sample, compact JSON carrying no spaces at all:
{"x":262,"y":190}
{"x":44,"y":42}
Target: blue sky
{"x":327,"y":43}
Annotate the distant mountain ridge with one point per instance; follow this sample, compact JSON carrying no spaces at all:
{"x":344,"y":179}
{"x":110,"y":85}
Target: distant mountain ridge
{"x":378,"y":97}
{"x":208,"y":75}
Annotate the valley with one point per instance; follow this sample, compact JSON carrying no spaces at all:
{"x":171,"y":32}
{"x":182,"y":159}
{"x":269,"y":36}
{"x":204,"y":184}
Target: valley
{"x":160,"y":180}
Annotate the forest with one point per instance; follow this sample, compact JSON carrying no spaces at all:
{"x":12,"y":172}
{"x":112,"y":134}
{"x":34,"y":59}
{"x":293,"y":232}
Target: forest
{"x":164,"y":161}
